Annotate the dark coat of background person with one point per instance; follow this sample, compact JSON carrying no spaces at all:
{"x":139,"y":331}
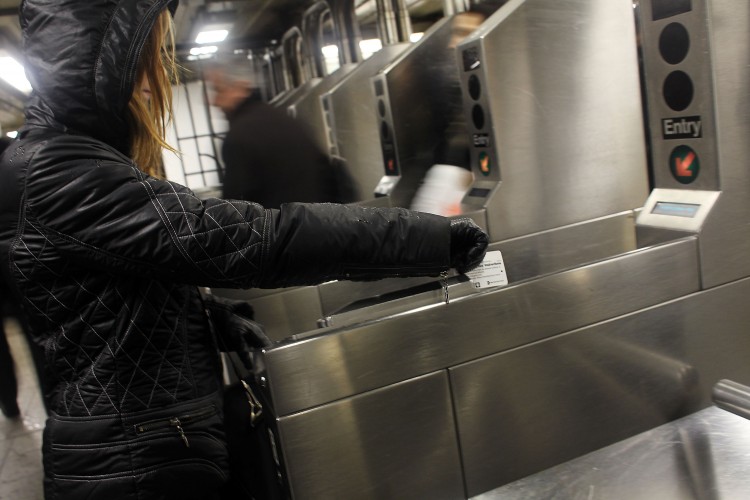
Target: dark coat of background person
{"x":107,"y":263}
{"x":272,"y":158}
{"x":8,"y":380}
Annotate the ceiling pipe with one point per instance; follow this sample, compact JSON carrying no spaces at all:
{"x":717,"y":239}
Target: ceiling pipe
{"x":346,"y":28}
{"x":312,"y":33}
{"x":403,"y":21}
{"x":276,"y":67}
{"x":386,"y":21}
{"x":451,"y":7}
{"x":394,"y":23}
{"x":292,"y":60}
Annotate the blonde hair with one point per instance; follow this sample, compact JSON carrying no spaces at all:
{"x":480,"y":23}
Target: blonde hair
{"x":148,"y":118}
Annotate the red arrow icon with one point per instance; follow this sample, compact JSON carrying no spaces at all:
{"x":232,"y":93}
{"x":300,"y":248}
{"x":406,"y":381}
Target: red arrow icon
{"x":682,"y":165}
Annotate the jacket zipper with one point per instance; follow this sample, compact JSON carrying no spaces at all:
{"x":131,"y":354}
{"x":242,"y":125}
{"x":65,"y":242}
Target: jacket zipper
{"x":176,"y":423}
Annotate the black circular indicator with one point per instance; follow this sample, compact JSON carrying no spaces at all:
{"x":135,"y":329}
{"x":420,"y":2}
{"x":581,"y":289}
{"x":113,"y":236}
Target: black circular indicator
{"x":674,"y":43}
{"x":475,"y":88}
{"x":678,"y":90}
{"x":477,"y":116}
{"x":384,"y":131}
{"x":381,"y":108}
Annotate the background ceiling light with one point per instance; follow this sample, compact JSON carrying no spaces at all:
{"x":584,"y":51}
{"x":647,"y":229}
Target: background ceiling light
{"x":206,"y":49}
{"x":12,"y":72}
{"x":211,"y":36}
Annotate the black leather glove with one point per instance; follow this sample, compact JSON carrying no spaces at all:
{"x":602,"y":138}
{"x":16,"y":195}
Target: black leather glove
{"x":468,"y":245}
{"x":234,"y":326}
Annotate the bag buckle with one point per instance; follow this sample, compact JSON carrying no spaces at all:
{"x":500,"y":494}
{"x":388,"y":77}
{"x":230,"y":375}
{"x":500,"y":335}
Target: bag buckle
{"x":256,"y":408}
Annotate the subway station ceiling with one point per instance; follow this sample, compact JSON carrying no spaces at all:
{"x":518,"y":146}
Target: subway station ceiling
{"x":252,"y":24}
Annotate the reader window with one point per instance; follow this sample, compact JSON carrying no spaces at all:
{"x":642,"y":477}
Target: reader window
{"x":677,"y":209}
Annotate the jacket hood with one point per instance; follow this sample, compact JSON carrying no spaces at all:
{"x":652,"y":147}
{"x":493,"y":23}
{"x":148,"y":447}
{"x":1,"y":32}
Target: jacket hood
{"x":81,"y":58}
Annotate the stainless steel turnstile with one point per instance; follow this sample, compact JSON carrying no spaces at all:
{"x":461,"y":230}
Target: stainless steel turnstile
{"x":695,"y":59}
{"x":623,"y":309}
{"x":307,"y":108}
{"x":349,"y":113}
{"x":555,"y":116}
{"x":418,"y":101}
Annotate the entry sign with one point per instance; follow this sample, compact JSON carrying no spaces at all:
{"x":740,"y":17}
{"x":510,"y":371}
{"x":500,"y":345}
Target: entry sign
{"x":684,"y":164}
{"x":490,"y":273}
{"x":684,"y":127}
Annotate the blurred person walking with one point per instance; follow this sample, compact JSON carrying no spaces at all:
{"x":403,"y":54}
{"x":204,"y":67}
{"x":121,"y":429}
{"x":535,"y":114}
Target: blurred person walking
{"x":268,"y":156}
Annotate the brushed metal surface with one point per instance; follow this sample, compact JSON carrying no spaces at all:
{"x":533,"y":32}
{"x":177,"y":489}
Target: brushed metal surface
{"x":288,"y":312}
{"x":353,"y":120}
{"x":282,"y":312}
{"x":725,"y":242}
{"x":355,"y":448}
{"x":343,"y":362}
{"x":307,"y":108}
{"x":426,"y":295}
{"x":283,"y":99}
{"x":648,"y":236}
{"x":731,"y":396}
{"x":563,"y":125}
{"x":522,"y":411}
{"x":562,"y":248}
{"x":334,"y":295}
{"x":703,"y":456}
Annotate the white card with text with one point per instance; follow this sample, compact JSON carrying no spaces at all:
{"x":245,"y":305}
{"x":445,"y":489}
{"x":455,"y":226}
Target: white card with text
{"x":490,"y":273}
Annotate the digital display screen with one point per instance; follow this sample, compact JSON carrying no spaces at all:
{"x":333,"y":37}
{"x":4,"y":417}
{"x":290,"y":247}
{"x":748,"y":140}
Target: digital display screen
{"x":478,"y":192}
{"x":676,"y":209}
{"x":661,"y":9}
{"x":471,"y":58}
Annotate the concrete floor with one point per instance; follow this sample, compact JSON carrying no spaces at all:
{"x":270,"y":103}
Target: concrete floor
{"x":21,"y":438}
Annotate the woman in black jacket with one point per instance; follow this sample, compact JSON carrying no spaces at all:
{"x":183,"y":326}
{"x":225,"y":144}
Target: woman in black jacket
{"x":107,"y":258}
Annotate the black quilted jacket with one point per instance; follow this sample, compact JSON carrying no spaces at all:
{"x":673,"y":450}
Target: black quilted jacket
{"x":107,"y":261}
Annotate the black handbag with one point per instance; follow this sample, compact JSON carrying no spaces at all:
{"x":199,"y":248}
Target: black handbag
{"x":256,"y":469}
